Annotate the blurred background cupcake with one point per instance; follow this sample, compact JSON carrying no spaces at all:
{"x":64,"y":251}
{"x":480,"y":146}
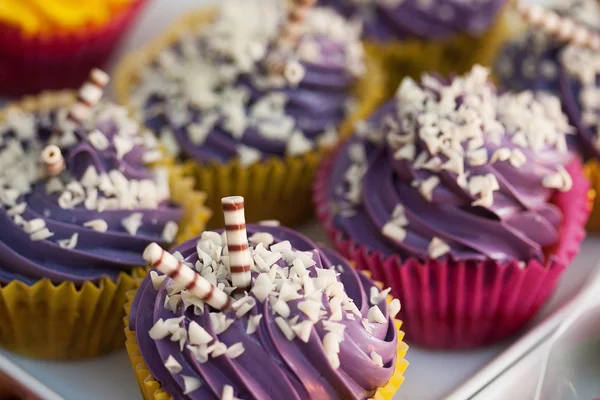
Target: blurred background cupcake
{"x":567,"y":65}
{"x":298,"y":322}
{"x":80,"y":202}
{"x":415,"y":36}
{"x":252,"y":95}
{"x":465,"y":201}
{"x":53,"y":44}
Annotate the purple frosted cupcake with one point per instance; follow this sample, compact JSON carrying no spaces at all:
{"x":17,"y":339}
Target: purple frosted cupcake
{"x":239,"y":106}
{"x":79,"y":203}
{"x":457,"y":196}
{"x":309,"y":326}
{"x":416,"y":36}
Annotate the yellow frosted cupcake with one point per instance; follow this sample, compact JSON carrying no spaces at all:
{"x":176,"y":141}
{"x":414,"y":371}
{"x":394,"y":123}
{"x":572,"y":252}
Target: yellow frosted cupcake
{"x":261,"y":312}
{"x":53,"y":44}
{"x":251,"y":103}
{"x":79,"y":201}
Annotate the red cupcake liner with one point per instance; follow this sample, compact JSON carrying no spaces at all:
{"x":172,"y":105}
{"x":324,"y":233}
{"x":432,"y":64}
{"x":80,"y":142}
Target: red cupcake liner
{"x":29,"y":64}
{"x":452,"y":305}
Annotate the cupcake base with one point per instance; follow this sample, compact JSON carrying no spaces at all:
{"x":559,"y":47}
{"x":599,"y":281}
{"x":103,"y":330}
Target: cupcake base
{"x":62,"y":321}
{"x":457,"y":55}
{"x":152,"y":390}
{"x":29,"y":64}
{"x":592,"y":171}
{"x":452,"y":305}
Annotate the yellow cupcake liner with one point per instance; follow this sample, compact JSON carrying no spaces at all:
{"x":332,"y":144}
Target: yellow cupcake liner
{"x":276,"y":188}
{"x":592,"y":172}
{"x":152,"y":390}
{"x":65,"y":322}
{"x":413,"y":57}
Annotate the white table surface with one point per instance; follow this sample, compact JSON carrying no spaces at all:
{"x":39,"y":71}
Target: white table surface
{"x":430,"y":375}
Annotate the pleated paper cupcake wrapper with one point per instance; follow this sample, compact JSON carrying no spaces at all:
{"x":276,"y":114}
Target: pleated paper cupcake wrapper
{"x":152,"y":390}
{"x":65,"y":321}
{"x":276,"y":188}
{"x":29,"y":64}
{"x":453,"y":305}
{"x":457,"y":55}
{"x":592,"y":172}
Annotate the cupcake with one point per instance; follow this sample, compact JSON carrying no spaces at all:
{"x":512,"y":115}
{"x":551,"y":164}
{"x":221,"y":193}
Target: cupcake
{"x":416,"y":36}
{"x":465,"y":201}
{"x":566,"y":67}
{"x":53,"y":44}
{"x":262,"y":295}
{"x":79,"y":203}
{"x":251,"y":100}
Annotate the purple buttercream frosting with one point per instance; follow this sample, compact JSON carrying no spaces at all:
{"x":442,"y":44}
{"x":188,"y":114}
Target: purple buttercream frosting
{"x":451,"y":168}
{"x":346,"y":347}
{"x":212,"y":95}
{"x":97,"y":216}
{"x":386,"y":20}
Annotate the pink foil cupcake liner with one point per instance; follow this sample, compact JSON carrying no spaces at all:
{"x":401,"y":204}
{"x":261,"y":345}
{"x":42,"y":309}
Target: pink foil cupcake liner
{"x":453,"y":305}
{"x":29,"y":64}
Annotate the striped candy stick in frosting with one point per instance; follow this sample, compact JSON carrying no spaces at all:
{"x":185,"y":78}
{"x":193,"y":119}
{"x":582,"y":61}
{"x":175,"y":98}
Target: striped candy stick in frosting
{"x":561,"y":28}
{"x":293,"y":27}
{"x":88,"y":96}
{"x":237,"y":241}
{"x":166,"y":263}
{"x":52,"y":160}
{"x":291,"y":31}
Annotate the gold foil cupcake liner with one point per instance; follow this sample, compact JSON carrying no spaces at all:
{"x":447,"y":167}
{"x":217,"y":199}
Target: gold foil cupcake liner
{"x":592,"y":172}
{"x":276,"y":188}
{"x":152,"y":390}
{"x":457,"y":55}
{"x":66,"y":322}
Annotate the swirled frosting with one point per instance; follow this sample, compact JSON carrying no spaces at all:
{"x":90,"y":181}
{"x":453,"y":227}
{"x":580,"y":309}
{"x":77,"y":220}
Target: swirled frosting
{"x":93,"y":220}
{"x":451,"y":168}
{"x":537,"y":62}
{"x":43,"y":16}
{"x":320,"y":330}
{"x":213,"y":95}
{"x":386,"y":20}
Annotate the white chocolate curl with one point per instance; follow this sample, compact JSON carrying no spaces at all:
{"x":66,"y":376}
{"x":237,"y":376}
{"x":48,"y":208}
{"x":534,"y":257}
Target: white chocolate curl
{"x":561,"y":28}
{"x":237,"y":241}
{"x":89,"y":95}
{"x":185,"y":276}
{"x":52,"y":160}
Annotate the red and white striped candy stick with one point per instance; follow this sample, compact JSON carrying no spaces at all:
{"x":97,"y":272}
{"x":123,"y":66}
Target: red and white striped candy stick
{"x":291,"y":31}
{"x":237,"y":241}
{"x":52,"y":160}
{"x":89,"y":95}
{"x":184,"y":275}
{"x":562,"y":28}
{"x":293,"y":27}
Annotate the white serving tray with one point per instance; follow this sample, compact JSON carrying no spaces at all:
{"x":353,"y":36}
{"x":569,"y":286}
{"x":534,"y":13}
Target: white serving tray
{"x":431,"y":375}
